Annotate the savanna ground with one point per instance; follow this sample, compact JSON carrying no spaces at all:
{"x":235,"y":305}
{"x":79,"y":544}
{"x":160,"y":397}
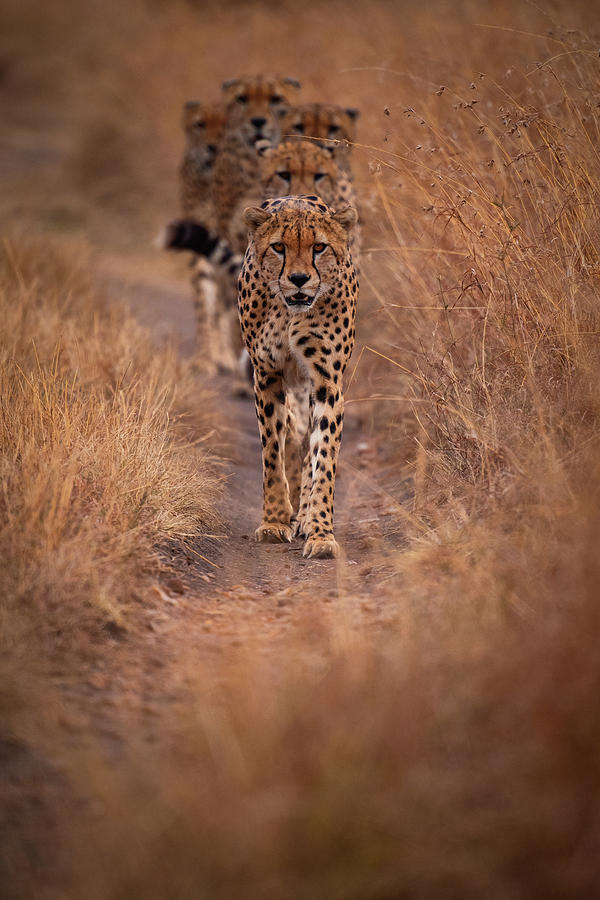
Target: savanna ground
{"x":185,"y":713}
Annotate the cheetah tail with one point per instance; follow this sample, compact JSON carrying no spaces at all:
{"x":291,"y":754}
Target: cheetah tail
{"x":185,"y":234}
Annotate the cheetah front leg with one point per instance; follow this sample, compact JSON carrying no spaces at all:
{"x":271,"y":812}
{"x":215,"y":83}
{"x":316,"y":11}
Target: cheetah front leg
{"x":205,"y":310}
{"x":293,"y":449}
{"x":320,"y":468}
{"x":272,"y":416}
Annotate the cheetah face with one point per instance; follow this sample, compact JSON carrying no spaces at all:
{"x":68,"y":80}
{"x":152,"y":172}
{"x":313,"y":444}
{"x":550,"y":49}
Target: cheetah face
{"x":301,"y":245}
{"x":203,"y":126}
{"x":298,"y":168}
{"x":298,"y":270}
{"x":320,"y":121}
{"x":254,"y":106}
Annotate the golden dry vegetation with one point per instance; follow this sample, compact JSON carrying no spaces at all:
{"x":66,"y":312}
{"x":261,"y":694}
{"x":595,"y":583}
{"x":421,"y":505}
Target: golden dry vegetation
{"x":432,"y":732}
{"x":102,"y":480}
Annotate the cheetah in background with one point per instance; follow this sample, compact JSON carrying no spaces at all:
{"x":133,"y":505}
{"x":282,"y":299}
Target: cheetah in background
{"x":330,"y":126}
{"x":295,"y":168}
{"x":297,"y":302}
{"x":253,"y":108}
{"x":203,"y":125}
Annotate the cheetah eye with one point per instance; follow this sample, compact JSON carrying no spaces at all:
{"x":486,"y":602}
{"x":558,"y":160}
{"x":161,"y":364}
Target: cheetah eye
{"x":278,"y":247}
{"x":276,"y":98}
{"x":200,"y":124}
{"x":285,"y":175}
{"x":243,"y":98}
{"x":333,"y":129}
{"x":319,"y":175}
{"x":319,"y":248}
{"x":299,"y":128}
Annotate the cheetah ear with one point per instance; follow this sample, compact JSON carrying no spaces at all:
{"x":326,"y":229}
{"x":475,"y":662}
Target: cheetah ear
{"x":254,"y":217}
{"x":229,"y":83}
{"x":347,"y":217}
{"x":353,"y":113}
{"x":293,"y":82}
{"x":263,"y":147}
{"x":189,"y":107}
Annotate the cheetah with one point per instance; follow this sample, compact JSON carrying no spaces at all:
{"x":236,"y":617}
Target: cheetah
{"x":253,"y":107}
{"x":203,"y":125}
{"x":330,"y":126}
{"x":297,"y":297}
{"x":295,"y":168}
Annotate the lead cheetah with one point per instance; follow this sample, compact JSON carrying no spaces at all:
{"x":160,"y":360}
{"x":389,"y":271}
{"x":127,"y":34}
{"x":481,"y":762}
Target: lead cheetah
{"x":297,"y":302}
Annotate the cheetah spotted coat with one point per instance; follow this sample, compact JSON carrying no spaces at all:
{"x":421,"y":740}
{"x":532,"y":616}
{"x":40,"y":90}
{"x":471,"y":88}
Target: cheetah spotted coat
{"x":297,"y":303}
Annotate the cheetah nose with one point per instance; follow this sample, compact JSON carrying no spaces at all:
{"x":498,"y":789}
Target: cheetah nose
{"x":299,"y":278}
{"x":258,"y":122}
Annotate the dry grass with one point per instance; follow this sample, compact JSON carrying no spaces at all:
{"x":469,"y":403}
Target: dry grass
{"x":496,"y":185}
{"x":100,"y":476}
{"x":96,"y":472}
{"x":439,"y":739}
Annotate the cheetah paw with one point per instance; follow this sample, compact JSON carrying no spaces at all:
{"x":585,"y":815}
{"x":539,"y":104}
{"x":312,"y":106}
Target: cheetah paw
{"x":274,"y":533}
{"x":321,"y":548}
